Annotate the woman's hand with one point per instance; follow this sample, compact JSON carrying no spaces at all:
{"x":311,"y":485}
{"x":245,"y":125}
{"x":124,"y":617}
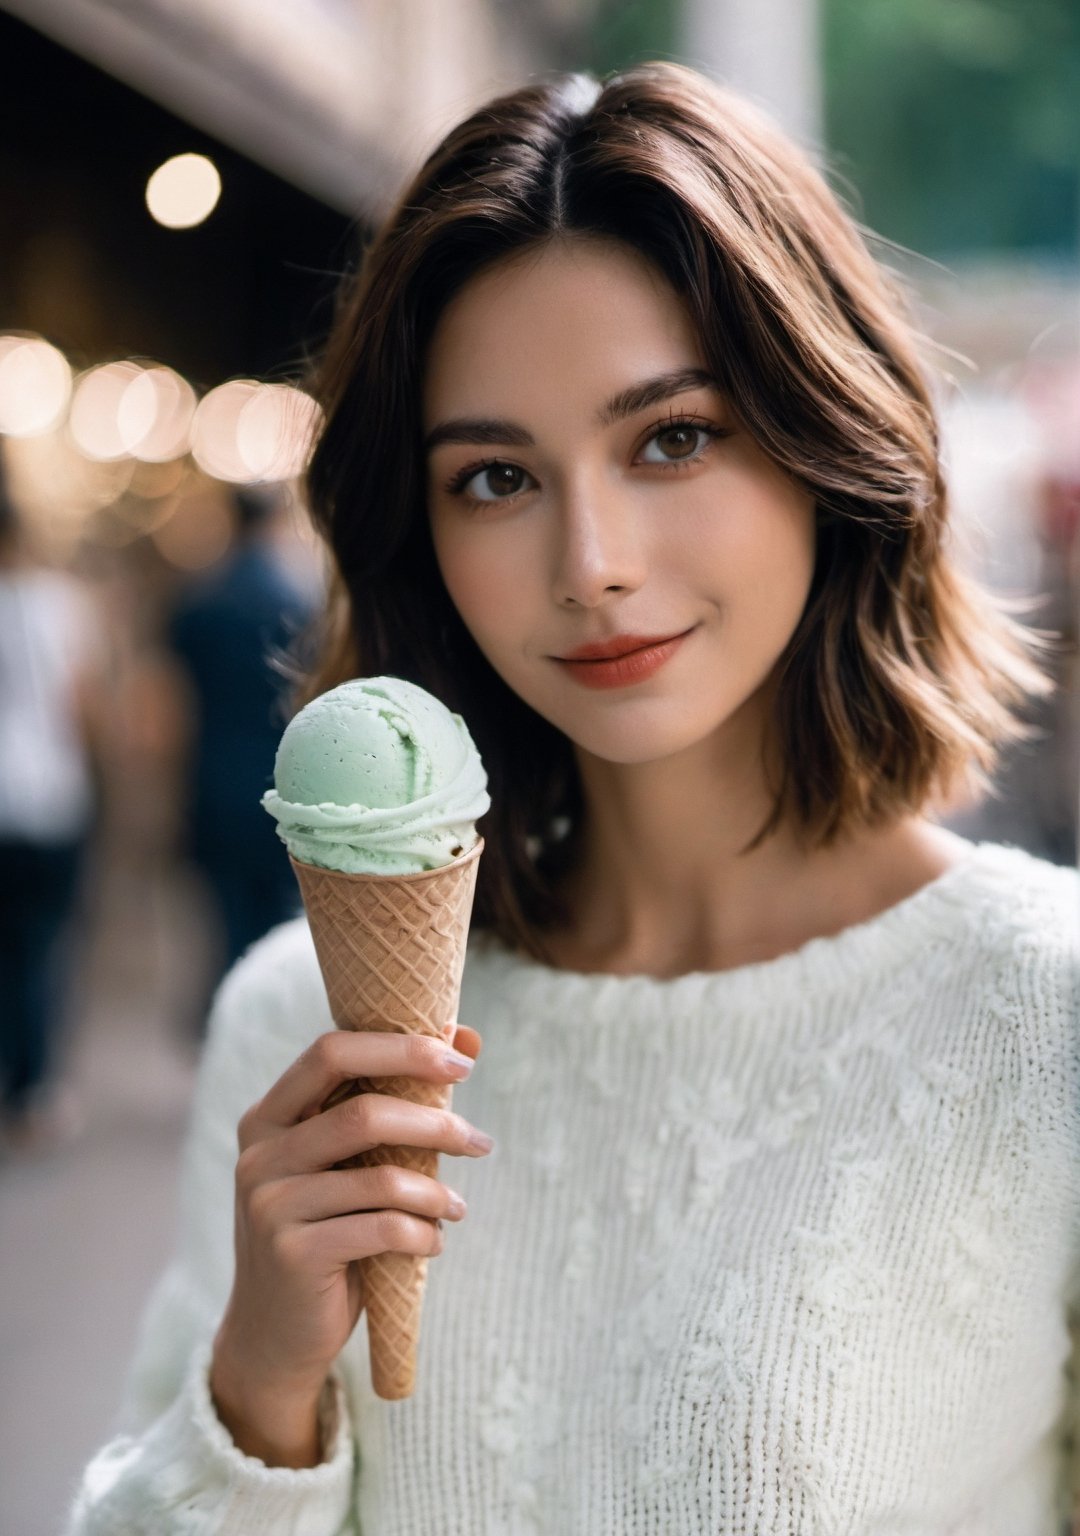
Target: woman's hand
{"x":301,"y":1224}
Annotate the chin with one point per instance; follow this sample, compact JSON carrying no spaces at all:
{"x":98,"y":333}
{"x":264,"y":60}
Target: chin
{"x":638,"y":736}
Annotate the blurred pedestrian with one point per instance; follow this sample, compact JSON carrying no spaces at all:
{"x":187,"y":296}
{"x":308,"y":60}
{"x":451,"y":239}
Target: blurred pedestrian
{"x":50,"y":655}
{"x":230,"y":631}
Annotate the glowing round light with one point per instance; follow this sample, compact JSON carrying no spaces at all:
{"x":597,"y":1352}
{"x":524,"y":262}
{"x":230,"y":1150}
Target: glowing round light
{"x":184,"y":191}
{"x":213,"y":431}
{"x":35,"y":386}
{"x":154,"y":415}
{"x":246,"y":432}
{"x":94,"y":422}
{"x":275,"y":431}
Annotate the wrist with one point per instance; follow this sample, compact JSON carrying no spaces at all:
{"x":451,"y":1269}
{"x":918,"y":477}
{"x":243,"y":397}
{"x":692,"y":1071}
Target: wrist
{"x":275,"y":1422}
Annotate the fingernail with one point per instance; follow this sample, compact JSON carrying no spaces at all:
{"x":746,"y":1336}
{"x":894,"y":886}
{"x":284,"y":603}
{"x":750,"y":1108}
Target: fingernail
{"x":480,"y":1140}
{"x":456,"y":1206}
{"x":457,"y":1066}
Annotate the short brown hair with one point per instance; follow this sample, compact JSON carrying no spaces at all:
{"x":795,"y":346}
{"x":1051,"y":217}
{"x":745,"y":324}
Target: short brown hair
{"x":902,"y":678}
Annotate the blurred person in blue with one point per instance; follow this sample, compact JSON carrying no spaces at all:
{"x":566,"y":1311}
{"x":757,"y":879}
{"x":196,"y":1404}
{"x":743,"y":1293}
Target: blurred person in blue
{"x":230,"y":631}
{"x":51,"y":651}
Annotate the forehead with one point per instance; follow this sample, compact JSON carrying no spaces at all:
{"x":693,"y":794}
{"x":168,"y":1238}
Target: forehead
{"x":583,"y":317}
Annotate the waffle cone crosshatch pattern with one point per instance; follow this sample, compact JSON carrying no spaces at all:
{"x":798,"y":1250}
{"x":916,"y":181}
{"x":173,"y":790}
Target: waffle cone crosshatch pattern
{"x":391,"y":949}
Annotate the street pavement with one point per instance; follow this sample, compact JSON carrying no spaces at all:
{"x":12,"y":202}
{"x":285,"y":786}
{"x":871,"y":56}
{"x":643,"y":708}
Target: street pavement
{"x":86,"y":1228}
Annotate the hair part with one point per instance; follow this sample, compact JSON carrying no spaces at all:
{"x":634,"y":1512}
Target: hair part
{"x":903,"y":678}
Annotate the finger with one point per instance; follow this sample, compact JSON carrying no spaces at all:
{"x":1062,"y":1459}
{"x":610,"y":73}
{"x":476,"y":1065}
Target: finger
{"x":344,"y":1238}
{"x":468,"y":1040}
{"x":359,"y":1123}
{"x":341,"y":1055}
{"x":346,"y":1191}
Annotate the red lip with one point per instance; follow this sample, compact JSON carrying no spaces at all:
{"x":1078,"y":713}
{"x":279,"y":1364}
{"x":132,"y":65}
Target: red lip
{"x":618,"y":645}
{"x":624,"y":669}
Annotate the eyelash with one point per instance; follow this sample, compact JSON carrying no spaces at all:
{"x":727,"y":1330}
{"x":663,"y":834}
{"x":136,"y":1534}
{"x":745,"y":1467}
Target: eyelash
{"x":456,"y":485}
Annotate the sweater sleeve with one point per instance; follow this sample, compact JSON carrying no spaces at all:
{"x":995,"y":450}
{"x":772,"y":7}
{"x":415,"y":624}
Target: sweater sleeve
{"x":172,"y":1469}
{"x":1069,"y":1486}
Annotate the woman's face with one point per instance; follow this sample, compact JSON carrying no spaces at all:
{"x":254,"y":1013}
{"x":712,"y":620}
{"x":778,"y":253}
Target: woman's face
{"x":586,"y":482}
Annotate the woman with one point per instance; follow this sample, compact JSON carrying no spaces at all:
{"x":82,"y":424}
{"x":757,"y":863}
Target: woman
{"x":628,"y":458}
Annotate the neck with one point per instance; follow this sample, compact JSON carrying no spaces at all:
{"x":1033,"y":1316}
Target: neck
{"x":663,"y":853}
{"x":665,"y":883}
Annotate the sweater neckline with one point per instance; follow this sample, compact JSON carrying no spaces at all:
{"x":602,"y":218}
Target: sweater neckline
{"x":861,"y":951}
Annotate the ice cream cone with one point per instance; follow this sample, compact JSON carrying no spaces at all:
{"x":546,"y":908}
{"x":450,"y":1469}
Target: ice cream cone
{"x":392,"y":949}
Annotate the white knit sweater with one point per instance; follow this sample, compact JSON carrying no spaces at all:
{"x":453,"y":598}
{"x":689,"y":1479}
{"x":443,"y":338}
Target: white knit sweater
{"x":787,"y":1250}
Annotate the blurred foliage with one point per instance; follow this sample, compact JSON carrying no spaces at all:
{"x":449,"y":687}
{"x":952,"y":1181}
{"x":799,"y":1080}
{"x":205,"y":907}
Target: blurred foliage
{"x":623,"y":32}
{"x":958,"y":120}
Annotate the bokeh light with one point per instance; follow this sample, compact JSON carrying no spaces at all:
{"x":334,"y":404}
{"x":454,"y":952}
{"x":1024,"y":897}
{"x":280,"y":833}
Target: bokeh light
{"x":35,"y":386}
{"x":183,"y":191}
{"x":154,"y":415}
{"x":246,"y":432}
{"x":243,"y":432}
{"x":213,"y":431}
{"x":94,"y":422}
{"x":275,"y":432}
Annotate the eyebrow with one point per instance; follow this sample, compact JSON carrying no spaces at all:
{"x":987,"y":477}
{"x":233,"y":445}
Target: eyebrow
{"x":481,"y":430}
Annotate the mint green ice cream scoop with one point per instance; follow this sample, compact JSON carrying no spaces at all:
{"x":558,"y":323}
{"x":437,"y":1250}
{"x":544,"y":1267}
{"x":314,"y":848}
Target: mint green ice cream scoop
{"x":377,"y":777}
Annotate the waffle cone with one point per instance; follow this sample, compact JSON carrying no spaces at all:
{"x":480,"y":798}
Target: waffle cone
{"x":391,"y":949}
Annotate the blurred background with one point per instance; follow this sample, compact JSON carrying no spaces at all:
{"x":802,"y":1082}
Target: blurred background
{"x":180,"y":187}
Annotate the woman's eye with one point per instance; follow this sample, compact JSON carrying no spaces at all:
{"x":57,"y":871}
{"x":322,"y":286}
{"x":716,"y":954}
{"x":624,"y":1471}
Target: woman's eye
{"x":495,"y":482}
{"x":680,"y":441}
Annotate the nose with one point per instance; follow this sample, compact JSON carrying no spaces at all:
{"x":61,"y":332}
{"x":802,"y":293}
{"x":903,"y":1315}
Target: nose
{"x":600,"y":547}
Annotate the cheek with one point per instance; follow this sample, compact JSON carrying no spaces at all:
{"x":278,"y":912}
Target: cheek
{"x":484,"y":579}
{"x":764,"y":549}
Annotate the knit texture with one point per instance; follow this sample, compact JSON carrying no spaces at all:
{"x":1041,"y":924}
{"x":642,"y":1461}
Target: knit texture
{"x":787,"y":1250}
